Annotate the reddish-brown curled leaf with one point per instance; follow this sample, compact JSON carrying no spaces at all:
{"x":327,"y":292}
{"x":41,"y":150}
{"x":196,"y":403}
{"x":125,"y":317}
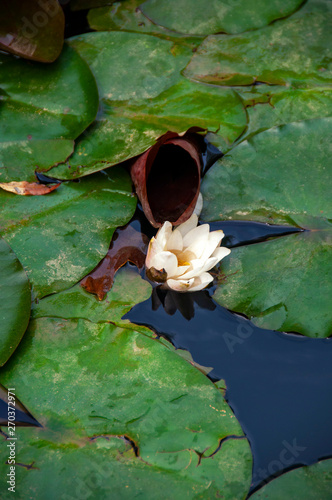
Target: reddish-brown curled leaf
{"x":28,"y":188}
{"x":33,"y":29}
{"x":128,"y":245}
{"x":167,"y":178}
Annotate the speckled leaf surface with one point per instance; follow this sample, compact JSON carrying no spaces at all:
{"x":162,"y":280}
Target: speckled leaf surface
{"x":227,"y":16}
{"x":62,"y":236}
{"x":135,"y":386}
{"x":125,"y":130}
{"x":136,"y":111}
{"x":295,"y":51}
{"x":15,"y":301}
{"x":261,"y":180}
{"x":309,"y":483}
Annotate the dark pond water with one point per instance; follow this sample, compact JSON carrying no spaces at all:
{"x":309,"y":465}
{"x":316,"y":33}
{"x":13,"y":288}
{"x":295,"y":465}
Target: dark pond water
{"x":279,"y":385}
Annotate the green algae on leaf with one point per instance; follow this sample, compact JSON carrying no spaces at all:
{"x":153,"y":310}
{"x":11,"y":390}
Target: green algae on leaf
{"x":227,"y":16}
{"x":136,"y":390}
{"x":295,"y":51}
{"x":15,"y":301}
{"x":61,"y":237}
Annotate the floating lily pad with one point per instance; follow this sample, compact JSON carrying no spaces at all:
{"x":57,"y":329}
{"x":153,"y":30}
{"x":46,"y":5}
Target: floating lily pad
{"x":136,"y":111}
{"x":271,"y":106}
{"x":227,"y":16}
{"x":43,"y":103}
{"x":295,"y":51}
{"x":276,"y":177}
{"x":307,"y":483}
{"x":135,"y":388}
{"x":33,"y":29}
{"x":15,"y":301}
{"x":127,"y":16}
{"x":62,"y":236}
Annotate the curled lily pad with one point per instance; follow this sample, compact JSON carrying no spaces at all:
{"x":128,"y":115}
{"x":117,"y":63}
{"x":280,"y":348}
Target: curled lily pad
{"x":33,"y":29}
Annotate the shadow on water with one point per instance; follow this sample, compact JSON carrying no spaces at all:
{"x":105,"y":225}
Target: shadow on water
{"x":279,"y":385}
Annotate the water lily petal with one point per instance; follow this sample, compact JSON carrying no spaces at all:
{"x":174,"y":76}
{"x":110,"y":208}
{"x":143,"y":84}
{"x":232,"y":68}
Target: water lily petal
{"x":196,"y":240}
{"x":153,"y":249}
{"x":213,"y":242}
{"x":180,"y":285}
{"x":221,"y":252}
{"x":175,"y":241}
{"x":180,"y":271}
{"x":165,"y":260}
{"x":163,"y":234}
{"x":199,"y":205}
{"x":187,"y":226}
{"x":201,"y":282}
{"x":196,"y":267}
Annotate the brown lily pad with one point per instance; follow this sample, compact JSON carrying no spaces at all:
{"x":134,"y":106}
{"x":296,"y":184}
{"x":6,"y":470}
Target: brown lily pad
{"x":25,"y":188}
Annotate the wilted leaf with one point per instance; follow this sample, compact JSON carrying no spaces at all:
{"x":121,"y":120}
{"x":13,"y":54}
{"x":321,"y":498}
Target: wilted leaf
{"x":28,"y":188}
{"x":62,"y":236}
{"x":228,"y":16}
{"x":15,"y":301}
{"x":32,"y":29}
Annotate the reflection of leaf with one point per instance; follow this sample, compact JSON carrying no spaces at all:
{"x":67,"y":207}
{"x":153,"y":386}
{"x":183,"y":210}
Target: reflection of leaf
{"x":203,"y":18}
{"x":61,"y":237}
{"x":32,"y":29}
{"x":168,"y":409}
{"x":308,"y":483}
{"x":262,"y":180}
{"x":295,"y":51}
{"x":28,"y":188}
{"x":15,"y":301}
{"x":136,"y":111}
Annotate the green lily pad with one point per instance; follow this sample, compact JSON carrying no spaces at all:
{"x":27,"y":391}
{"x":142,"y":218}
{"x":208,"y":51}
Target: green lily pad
{"x":136,"y":389}
{"x":43,"y":109}
{"x":126,"y":16}
{"x":15,"y":301}
{"x":33,"y":29}
{"x":295,"y":51}
{"x":276,"y":177}
{"x":228,"y":16}
{"x":272,"y":106}
{"x":20,"y":159}
{"x":126,"y":130}
{"x":62,"y":236}
{"x":308,"y":483}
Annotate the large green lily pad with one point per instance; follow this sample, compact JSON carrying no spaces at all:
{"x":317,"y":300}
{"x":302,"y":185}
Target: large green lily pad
{"x":228,"y":16}
{"x":295,"y":51}
{"x":43,"y":109}
{"x":125,"y":130}
{"x":272,"y":106}
{"x":307,"y":483}
{"x":276,"y":177}
{"x":135,"y":388}
{"x":60,"y":237}
{"x":33,"y":29}
{"x":15,"y":301}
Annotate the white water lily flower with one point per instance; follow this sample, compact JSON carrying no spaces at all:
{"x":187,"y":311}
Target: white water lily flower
{"x":182,"y":257}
